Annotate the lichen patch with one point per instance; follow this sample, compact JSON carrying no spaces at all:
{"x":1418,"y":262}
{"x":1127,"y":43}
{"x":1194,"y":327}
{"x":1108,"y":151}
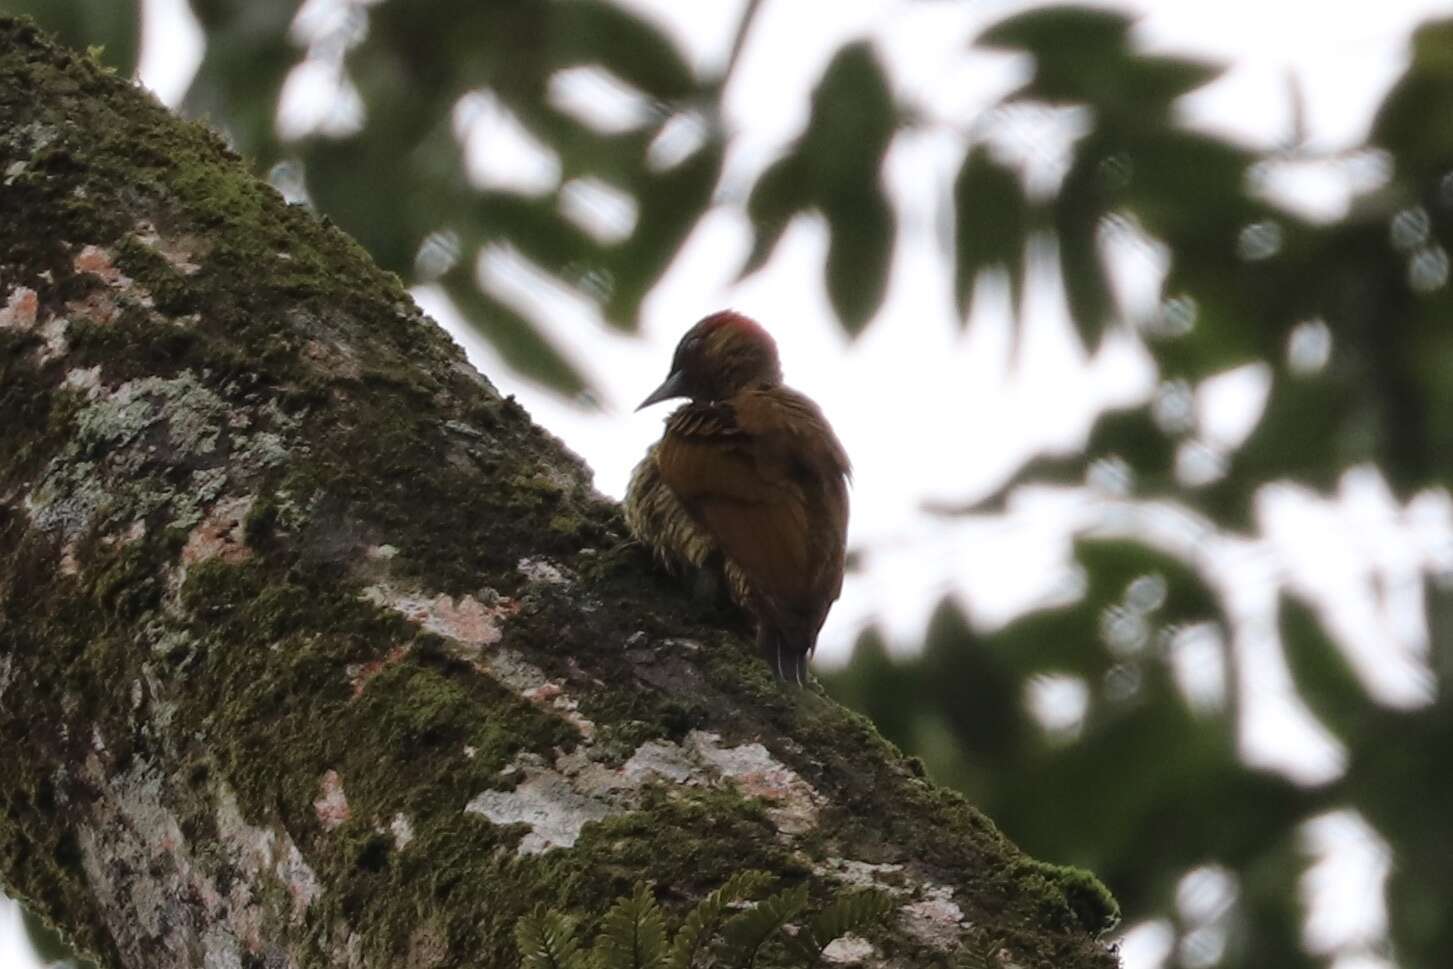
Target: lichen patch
{"x":556,"y":799}
{"x":360,"y":673}
{"x":220,"y":534}
{"x":178,"y":253}
{"x":542,"y":570}
{"x":403,"y":831}
{"x":257,"y":851}
{"x":331,"y":805}
{"x":70,"y":563}
{"x":546,"y":801}
{"x":467,"y":620}
{"x":20,"y":309}
{"x":56,"y":345}
{"x":7,"y":670}
{"x":529,"y":681}
{"x":794,"y":802}
{"x":929,"y":914}
{"x":848,"y":950}
{"x":115,"y":438}
{"x":97,"y":262}
{"x":333,"y":358}
{"x":935,"y":919}
{"x":85,"y":381}
{"x":661,"y":759}
{"x":97,"y":306}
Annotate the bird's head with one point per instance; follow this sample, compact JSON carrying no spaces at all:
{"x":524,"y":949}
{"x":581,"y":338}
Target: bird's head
{"x":724,"y":353}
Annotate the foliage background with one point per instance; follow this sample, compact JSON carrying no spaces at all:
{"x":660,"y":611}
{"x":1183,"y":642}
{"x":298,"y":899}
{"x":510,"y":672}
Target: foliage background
{"x":1124,"y":727}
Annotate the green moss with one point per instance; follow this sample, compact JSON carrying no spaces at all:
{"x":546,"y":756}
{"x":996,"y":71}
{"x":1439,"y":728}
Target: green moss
{"x":690,"y":841}
{"x":1066,"y":890}
{"x":129,"y":585}
{"x":261,"y":522}
{"x":169,"y":289}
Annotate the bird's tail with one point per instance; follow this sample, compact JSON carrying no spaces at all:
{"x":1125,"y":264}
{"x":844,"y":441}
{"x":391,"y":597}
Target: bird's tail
{"x":786,"y":651}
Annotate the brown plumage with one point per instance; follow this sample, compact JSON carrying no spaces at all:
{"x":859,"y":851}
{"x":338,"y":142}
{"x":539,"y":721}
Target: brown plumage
{"x":748,"y":478}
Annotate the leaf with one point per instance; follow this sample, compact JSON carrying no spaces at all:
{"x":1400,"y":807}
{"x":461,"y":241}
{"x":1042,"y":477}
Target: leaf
{"x":546,"y":940}
{"x":1083,"y":56}
{"x":746,"y":933}
{"x":1049,"y":32}
{"x":1160,"y":80}
{"x":852,"y":121}
{"x":515,"y":337}
{"x":1421,"y":139}
{"x":1324,"y":678}
{"x":1078,"y":212}
{"x":590,"y":31}
{"x":851,"y":912}
{"x":979,"y":955}
{"x":859,"y":255}
{"x":632,"y":934}
{"x":991,"y":217}
{"x":781,"y":192}
{"x":670,"y":204}
{"x":1078,"y":52}
{"x":248,"y":58}
{"x":704,"y":920}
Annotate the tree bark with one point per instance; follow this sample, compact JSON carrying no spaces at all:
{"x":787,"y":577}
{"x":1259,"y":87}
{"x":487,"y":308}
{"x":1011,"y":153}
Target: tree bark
{"x":315,"y":651}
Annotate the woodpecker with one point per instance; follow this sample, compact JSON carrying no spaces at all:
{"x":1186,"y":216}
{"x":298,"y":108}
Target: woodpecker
{"x":748,"y":480}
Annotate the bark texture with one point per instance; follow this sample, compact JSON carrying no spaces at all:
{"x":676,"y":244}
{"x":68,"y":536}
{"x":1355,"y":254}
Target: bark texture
{"x":314,"y":651}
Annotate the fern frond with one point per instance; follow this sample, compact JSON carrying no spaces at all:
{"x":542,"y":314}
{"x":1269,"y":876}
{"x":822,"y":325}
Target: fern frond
{"x":704,"y":920}
{"x":546,"y":940}
{"x":632,"y":934}
{"x":980,"y":956}
{"x":746,"y":933}
{"x":850,"y":912}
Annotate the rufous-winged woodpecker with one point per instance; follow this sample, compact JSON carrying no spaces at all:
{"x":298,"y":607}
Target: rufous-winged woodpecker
{"x":750,"y":479}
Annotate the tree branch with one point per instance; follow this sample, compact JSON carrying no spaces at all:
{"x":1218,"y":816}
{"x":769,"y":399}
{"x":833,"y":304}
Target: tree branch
{"x":315,"y":651}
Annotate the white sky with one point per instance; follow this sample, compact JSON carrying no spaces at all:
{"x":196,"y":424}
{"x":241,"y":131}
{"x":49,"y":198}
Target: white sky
{"x":915,"y":372}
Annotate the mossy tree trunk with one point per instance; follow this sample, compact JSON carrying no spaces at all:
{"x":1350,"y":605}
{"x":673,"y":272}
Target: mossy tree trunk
{"x":315,"y":651}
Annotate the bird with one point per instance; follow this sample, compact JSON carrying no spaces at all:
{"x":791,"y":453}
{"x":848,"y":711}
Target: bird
{"x":748,"y":482}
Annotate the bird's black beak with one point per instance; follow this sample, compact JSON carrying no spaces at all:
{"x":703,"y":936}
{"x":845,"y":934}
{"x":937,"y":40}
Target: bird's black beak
{"x":674,"y":386}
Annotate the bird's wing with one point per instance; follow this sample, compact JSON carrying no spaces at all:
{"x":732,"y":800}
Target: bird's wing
{"x":764,"y":473}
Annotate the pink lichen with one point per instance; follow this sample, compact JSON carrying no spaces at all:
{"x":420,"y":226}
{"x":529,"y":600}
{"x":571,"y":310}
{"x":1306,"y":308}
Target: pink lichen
{"x":467,"y":620}
{"x":220,"y":534}
{"x":177,"y":252}
{"x":331,"y":805}
{"x":360,"y":673}
{"x":21,"y":307}
{"x":98,"y":306}
{"x":101,"y":306}
{"x":97,"y":262}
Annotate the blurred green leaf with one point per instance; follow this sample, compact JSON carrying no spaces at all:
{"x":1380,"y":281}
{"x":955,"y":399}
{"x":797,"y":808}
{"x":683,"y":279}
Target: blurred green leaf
{"x":516,"y":338}
{"x":1078,"y":212}
{"x":852,"y":121}
{"x":781,"y":192}
{"x":1060,"y":33}
{"x":991,"y":220}
{"x":592,"y":31}
{"x":247,"y":59}
{"x":1323,"y":676}
{"x":859,"y":255}
{"x":1420,"y":139}
{"x":670,"y":203}
{"x":1082,"y":55}
{"x":835,"y":168}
